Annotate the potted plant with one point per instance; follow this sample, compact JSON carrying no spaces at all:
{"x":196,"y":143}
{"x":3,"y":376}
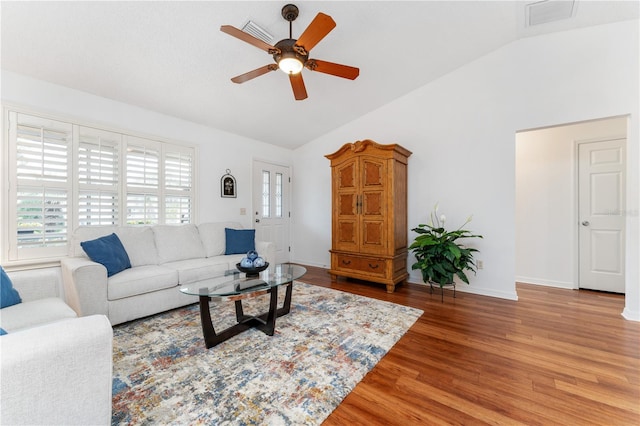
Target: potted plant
{"x":440,"y":255}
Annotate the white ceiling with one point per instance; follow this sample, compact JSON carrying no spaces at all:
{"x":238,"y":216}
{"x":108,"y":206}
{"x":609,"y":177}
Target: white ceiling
{"x":171,"y":57}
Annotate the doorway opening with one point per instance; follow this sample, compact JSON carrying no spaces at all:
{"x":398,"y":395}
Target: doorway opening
{"x":271,"y":206}
{"x":557,"y":242}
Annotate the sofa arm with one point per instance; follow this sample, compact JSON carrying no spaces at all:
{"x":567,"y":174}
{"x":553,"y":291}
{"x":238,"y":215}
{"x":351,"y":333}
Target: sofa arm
{"x":59,"y":373}
{"x":85,"y":286}
{"x":267,"y":250}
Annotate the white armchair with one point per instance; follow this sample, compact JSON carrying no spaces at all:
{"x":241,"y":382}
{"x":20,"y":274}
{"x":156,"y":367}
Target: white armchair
{"x":57,"y":374}
{"x":55,"y":368}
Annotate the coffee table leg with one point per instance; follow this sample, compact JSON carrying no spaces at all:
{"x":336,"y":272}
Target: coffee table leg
{"x":239,"y":311}
{"x":286,"y":306}
{"x":270,"y":324}
{"x":207,"y":326}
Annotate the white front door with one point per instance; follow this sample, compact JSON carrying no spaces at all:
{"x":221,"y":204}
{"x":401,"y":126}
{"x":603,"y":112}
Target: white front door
{"x":601,"y":199}
{"x":271,"y":217}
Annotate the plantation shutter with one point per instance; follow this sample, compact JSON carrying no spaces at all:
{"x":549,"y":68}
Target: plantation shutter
{"x":42,"y":158}
{"x":62,"y":175}
{"x":143,"y":181}
{"x":178,"y":186}
{"x":98,"y":177}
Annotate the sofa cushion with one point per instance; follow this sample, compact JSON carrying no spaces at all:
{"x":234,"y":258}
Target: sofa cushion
{"x":34,"y":313}
{"x":9,"y":296}
{"x":140,"y":280}
{"x":194,"y":270}
{"x":178,"y":242}
{"x":140,"y":244}
{"x":109,"y":252}
{"x":239,"y":241}
{"x":213,"y":236}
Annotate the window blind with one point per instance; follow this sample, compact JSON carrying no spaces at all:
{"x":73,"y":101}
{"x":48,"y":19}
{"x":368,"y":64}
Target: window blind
{"x":142,"y":209}
{"x":178,"y":176}
{"x":63,"y":175}
{"x":98,"y":177}
{"x":178,"y":169}
{"x":143,"y":167}
{"x":42,"y":152}
{"x":42,"y":217}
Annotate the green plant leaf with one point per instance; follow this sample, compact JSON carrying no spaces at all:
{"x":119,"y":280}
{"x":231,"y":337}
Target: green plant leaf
{"x":439,"y":254}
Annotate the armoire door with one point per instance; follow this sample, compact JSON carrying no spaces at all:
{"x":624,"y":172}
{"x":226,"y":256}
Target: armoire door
{"x":373,"y":220}
{"x":347,"y":203}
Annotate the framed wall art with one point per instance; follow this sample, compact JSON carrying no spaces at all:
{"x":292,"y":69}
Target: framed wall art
{"x":228,"y":188}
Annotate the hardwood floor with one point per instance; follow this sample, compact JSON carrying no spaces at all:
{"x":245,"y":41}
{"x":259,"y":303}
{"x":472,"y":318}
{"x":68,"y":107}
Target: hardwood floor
{"x":554,"y":357}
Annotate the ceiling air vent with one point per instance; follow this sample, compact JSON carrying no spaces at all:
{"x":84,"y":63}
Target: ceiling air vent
{"x":545,"y":11}
{"x":258,"y":32}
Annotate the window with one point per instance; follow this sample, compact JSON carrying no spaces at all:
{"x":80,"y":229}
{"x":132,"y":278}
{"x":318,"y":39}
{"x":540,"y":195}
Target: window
{"x":143,"y":181}
{"x":178,"y":185}
{"x":70,"y":175}
{"x":39,"y":214}
{"x":98,"y":168}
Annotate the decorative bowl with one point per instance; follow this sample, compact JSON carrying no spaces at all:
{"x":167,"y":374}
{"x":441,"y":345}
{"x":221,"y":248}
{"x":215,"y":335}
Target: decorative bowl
{"x":252,"y":272}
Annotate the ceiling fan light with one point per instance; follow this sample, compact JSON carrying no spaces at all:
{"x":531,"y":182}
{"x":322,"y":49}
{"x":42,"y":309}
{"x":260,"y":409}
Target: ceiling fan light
{"x":290,"y":65}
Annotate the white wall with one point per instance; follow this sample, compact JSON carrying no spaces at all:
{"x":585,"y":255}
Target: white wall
{"x":546,"y":201}
{"x":461,"y":129}
{"x":218,"y":150}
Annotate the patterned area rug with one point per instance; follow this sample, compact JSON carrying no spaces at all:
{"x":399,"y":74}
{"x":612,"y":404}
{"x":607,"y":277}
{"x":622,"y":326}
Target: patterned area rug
{"x":163,"y":373}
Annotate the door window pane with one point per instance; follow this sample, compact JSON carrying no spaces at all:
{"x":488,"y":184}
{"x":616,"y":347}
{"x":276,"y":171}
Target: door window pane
{"x":278,"y":195}
{"x":266,"y":193}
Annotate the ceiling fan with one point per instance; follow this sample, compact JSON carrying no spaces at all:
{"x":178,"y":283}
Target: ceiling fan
{"x":292,"y":55}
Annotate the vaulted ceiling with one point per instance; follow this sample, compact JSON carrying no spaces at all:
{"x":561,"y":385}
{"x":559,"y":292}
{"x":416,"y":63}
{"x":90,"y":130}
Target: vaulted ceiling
{"x":170,"y":57}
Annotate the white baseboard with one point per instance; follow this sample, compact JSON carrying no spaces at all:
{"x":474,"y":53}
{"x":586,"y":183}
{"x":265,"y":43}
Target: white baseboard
{"x":465,"y":288}
{"x":631,"y":315}
{"x":310,"y":263}
{"x":545,"y":282}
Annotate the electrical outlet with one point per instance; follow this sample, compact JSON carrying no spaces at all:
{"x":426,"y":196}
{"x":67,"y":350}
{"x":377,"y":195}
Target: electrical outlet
{"x":243,"y":211}
{"x":480,"y":264}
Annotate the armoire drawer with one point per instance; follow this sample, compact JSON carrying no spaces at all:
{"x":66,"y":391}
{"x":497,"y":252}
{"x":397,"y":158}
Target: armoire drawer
{"x":370,"y":266}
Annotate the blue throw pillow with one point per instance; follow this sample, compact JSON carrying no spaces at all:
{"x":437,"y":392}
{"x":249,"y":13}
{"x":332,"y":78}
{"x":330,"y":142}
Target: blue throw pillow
{"x":239,"y":241}
{"x":2,"y":331}
{"x":108,"y":251}
{"x":9,"y":296}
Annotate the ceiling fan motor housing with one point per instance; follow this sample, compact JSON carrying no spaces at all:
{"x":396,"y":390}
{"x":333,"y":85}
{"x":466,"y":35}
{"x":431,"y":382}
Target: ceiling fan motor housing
{"x":287,"y":50}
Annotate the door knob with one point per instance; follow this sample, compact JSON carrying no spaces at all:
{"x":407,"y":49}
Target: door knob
{"x":585,"y":223}
{"x":257,"y":220}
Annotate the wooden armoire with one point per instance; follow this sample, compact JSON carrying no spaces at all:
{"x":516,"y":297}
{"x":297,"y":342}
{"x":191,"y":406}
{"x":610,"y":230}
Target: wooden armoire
{"x":369,"y":212}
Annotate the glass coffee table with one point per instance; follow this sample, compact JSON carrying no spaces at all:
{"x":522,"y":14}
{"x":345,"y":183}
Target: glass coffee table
{"x":237,"y":286}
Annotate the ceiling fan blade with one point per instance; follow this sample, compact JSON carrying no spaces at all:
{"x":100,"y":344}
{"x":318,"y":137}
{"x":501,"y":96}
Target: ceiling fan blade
{"x":255,"y":73}
{"x":248,"y":38}
{"x":297,"y":84}
{"x":338,"y":70}
{"x":318,"y":28}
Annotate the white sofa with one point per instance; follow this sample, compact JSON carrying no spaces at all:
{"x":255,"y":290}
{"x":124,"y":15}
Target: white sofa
{"x":163,"y":257}
{"x":55,"y":368}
